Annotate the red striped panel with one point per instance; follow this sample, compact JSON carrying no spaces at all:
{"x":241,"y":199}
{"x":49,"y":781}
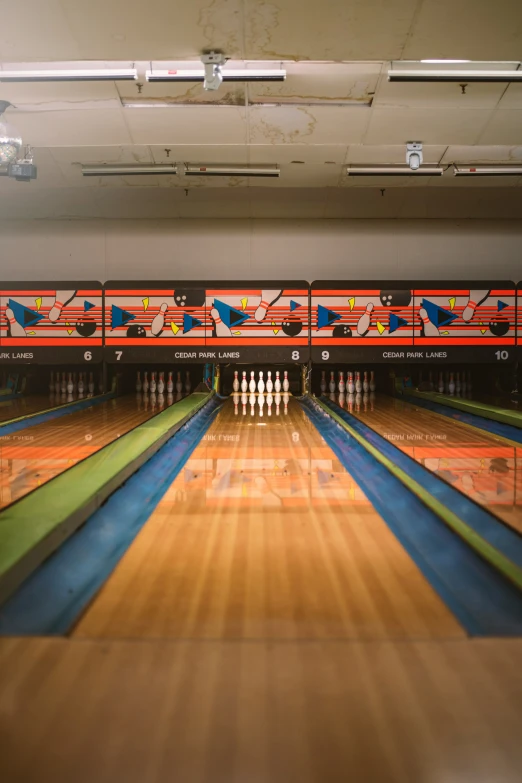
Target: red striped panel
{"x":144,"y":341}
{"x":447,"y":341}
{"x":238,"y":341}
{"x":33,"y":343}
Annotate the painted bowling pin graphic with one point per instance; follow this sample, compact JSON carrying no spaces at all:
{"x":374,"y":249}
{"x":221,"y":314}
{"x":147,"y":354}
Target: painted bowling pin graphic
{"x":158,"y":322}
{"x":268,"y":298}
{"x":475,"y":299}
{"x":277,"y":383}
{"x":235,"y":383}
{"x":261,"y":383}
{"x":252,"y":384}
{"x":269,"y":383}
{"x":331,"y":385}
{"x":430,"y":330}
{"x":220,"y":328}
{"x":363,"y":324}
{"x":286,"y":382}
{"x":323,"y":381}
{"x":61,"y":300}
{"x":14,"y":327}
{"x":244,"y":383}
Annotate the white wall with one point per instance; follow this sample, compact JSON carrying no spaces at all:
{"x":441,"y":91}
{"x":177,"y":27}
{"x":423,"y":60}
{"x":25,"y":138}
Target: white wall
{"x":257,"y":249}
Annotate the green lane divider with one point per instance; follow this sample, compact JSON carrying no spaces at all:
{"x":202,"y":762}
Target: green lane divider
{"x":514,"y":418}
{"x":28,"y":416}
{"x":495,"y":558}
{"x":35,"y":526}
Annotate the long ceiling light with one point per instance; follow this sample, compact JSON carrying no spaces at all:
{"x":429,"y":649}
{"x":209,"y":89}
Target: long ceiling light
{"x":487,"y":171}
{"x":394,"y":171}
{"x":71,"y":75}
{"x":246,"y":75}
{"x":212,"y":170}
{"x":470,"y":72}
{"x":122,"y":170}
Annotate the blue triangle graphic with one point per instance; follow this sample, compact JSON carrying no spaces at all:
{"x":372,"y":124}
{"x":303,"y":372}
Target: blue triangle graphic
{"x":294,"y":305}
{"x":326,"y":317}
{"x":501,"y":305}
{"x":23,"y":315}
{"x":120,"y":317}
{"x":436,"y":314}
{"x":88,"y":306}
{"x":229,"y":315}
{"x":395,"y":323}
{"x":189,"y":322}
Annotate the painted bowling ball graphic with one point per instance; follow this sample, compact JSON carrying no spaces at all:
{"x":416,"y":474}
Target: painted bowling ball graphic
{"x":292,"y":326}
{"x":499,"y":326}
{"x":86,"y":327}
{"x":341,"y":330}
{"x":395,"y":298}
{"x":189,"y":297}
{"x":136,"y":330}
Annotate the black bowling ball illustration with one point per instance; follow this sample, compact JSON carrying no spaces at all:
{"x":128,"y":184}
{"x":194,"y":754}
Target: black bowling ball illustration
{"x":292,"y":326}
{"x":86,"y":327}
{"x":499,"y":326}
{"x":399,"y":298}
{"x":136,"y":330}
{"x":341,"y":330}
{"x":189,"y":297}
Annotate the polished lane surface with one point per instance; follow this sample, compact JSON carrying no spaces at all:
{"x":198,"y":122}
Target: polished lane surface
{"x":25,"y":406}
{"x":32,"y":457}
{"x":264,"y":535}
{"x":483,"y":466}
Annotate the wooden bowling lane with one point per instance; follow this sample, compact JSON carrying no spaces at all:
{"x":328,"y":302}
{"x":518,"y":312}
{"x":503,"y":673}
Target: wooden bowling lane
{"x":264,"y":535}
{"x":31,"y":457}
{"x":483,"y":466}
{"x":24,"y":406}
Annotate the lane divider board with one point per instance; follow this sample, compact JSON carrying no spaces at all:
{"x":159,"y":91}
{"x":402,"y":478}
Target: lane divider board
{"x":49,"y":414}
{"x":495,"y":558}
{"x":27,"y":537}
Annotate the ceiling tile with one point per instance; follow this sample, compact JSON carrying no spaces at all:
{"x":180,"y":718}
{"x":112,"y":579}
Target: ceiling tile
{"x":505,"y":127}
{"x":431,"y":126}
{"x":310,"y":125}
{"x":72,"y":128}
{"x":193,"y":125}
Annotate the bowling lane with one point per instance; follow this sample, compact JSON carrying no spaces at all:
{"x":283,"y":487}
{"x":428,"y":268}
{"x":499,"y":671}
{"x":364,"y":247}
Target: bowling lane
{"x":483,"y":466}
{"x":32,"y":457}
{"x":24,"y":406}
{"x":264,"y":535}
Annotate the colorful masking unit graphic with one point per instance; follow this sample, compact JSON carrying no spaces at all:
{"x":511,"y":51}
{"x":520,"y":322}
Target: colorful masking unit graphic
{"x":154,"y":313}
{"x":465,"y":316}
{"x":51,"y":314}
{"x":350,"y":314}
{"x":258,"y":316}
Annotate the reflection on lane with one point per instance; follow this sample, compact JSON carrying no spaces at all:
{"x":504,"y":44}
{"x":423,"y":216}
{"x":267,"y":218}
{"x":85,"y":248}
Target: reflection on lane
{"x":25,"y":406}
{"x":483,"y":466}
{"x":30,"y":458}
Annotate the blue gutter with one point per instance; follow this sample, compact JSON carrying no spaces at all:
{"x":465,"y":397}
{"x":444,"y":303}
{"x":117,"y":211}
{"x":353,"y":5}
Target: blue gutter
{"x":50,"y":601}
{"x":483,"y":602}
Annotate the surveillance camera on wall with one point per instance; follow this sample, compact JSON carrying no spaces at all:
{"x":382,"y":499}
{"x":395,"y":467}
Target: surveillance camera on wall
{"x":414,"y":155}
{"x":213,"y":76}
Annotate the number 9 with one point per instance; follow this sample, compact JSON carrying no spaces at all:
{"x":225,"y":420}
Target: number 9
{"x":325,"y":356}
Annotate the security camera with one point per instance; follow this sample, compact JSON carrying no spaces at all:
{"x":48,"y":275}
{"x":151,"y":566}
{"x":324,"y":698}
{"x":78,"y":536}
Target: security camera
{"x":414,"y":156}
{"x":213,"y":76}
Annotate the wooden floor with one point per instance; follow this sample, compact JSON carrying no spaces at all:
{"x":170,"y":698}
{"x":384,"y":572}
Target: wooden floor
{"x":23,"y":406}
{"x":264,"y":535}
{"x":31,"y":457}
{"x":483,"y":466}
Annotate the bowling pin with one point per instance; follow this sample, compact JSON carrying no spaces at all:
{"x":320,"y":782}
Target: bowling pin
{"x":179,"y":384}
{"x":351,"y":384}
{"x":363,"y":323}
{"x":341,"y":385}
{"x":145,"y":383}
{"x":373,"y":385}
{"x":138,"y":382}
{"x":269,"y":383}
{"x":153,"y":383}
{"x":62,"y":299}
{"x":90,"y":386}
{"x":440,"y":387}
{"x":430,"y":330}
{"x":323,"y":381}
{"x":161,"y":383}
{"x":261,"y":383}
{"x":277,"y":400}
{"x":235,"y":397}
{"x":235,"y":382}
{"x":14,"y":327}
{"x":366,"y":384}
{"x":188,"y":385}
{"x":70,"y":385}
{"x":277,"y":384}
{"x":286,"y":382}
{"x":451,"y":385}
{"x":475,"y":299}
{"x":81,"y":386}
{"x":158,"y":322}
{"x":244,"y":382}
{"x":331,"y":385}
{"x":269,"y":402}
{"x":268,"y":298}
{"x":286,"y":397}
{"x":170,"y":384}
{"x":221,"y":329}
{"x":252,"y":384}
{"x":341,"y":399}
{"x":51,"y":384}
{"x":358,"y":383}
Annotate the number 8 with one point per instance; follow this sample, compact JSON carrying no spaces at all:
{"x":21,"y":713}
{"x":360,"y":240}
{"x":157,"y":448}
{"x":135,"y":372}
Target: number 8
{"x":295,"y":356}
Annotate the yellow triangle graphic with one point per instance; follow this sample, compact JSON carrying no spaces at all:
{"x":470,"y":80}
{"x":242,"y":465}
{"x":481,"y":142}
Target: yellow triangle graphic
{"x":70,"y":331}
{"x":275,"y":331}
{"x":351,"y":302}
{"x":145,"y":303}
{"x":67,"y":323}
{"x":483,"y":331}
{"x":38,"y":302}
{"x":236,"y":333}
{"x":31,"y":333}
{"x":452,"y":301}
{"x":174,"y":328}
{"x":244,"y":303}
{"x":444,"y":333}
{"x":380,"y":327}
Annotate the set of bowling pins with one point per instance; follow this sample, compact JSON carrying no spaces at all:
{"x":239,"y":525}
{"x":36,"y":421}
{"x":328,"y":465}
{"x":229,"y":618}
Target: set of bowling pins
{"x":157,"y":386}
{"x":71,"y":385}
{"x":354,"y":384}
{"x":272,"y":385}
{"x":271,"y":400}
{"x":455,"y":384}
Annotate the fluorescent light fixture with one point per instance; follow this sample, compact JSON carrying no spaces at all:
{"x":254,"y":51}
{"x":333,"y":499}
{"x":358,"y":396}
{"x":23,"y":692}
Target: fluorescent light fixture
{"x":245,"y":75}
{"x":445,"y":62}
{"x":393,"y":171}
{"x":71,"y":75}
{"x":479,"y":72}
{"x":486,"y":171}
{"x":212,"y":170}
{"x":122,"y":170}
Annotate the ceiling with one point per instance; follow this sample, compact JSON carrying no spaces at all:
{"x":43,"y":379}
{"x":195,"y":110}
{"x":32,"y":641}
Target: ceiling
{"x":336,"y":107}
